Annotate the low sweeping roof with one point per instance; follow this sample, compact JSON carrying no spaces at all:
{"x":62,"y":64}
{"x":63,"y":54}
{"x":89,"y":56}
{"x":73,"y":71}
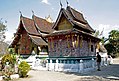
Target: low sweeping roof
{"x":29,"y":26}
{"x":43,"y":25}
{"x":32,"y":27}
{"x":71,"y":31}
{"x":38,"y":40}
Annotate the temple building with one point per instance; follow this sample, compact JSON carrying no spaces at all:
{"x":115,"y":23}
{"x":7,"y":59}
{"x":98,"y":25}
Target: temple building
{"x":69,"y":42}
{"x":29,"y":36}
{"x":72,"y":36}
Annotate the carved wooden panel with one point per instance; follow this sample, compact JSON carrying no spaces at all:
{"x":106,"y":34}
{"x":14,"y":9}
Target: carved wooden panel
{"x":25,"y":43}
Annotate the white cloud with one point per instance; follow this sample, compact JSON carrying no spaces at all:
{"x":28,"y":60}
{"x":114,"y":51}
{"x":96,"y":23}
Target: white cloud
{"x":45,"y":1}
{"x":107,"y":29}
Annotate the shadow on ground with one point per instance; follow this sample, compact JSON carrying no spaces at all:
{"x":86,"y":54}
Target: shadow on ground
{"x":107,"y":73}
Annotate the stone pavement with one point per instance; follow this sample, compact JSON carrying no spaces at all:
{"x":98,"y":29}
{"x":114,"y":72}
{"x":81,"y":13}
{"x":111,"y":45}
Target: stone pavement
{"x":109,"y":73}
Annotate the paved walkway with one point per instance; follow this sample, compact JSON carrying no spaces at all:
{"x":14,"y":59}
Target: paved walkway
{"x":109,"y":73}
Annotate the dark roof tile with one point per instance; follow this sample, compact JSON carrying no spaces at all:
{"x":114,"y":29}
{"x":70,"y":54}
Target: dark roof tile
{"x":43,"y":25}
{"x":76,"y":15}
{"x":29,"y":26}
{"x":75,"y":18}
{"x":38,"y":40}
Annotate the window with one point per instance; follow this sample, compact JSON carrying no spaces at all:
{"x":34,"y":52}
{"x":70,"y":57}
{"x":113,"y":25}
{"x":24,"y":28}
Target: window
{"x":92,"y":48}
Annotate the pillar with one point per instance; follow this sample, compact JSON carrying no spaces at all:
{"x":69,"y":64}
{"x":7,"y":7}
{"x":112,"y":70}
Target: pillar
{"x":56,"y":65}
{"x":93,"y":63}
{"x":81,"y":66}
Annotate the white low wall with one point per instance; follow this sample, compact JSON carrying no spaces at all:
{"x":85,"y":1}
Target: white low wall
{"x":35,"y":63}
{"x":58,"y":64}
{"x":82,"y":66}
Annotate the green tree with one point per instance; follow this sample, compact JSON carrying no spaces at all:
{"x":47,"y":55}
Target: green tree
{"x":2,"y":36}
{"x":113,"y":45}
{"x":110,"y":48}
{"x":2,"y":30}
{"x":114,"y":39}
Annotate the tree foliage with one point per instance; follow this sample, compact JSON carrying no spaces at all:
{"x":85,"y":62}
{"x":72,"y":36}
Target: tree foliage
{"x":24,"y":68}
{"x":2,"y":30}
{"x":114,"y":37}
{"x":2,"y":37}
{"x":9,"y":58}
{"x":110,"y":48}
{"x":113,"y":45}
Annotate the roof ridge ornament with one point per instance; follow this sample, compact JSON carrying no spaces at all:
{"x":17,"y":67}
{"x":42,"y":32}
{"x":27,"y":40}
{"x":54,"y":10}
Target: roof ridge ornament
{"x":32,"y":12}
{"x":67,"y":3}
{"x":33,"y":15}
{"x":20,"y":13}
{"x":61,"y":4}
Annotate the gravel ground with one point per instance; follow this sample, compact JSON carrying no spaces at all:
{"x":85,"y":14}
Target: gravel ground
{"x":109,"y":73}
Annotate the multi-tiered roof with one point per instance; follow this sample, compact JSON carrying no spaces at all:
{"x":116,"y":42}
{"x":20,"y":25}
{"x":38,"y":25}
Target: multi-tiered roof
{"x":35,"y":28}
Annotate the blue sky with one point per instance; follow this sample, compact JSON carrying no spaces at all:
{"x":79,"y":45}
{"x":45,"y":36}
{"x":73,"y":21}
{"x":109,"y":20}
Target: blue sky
{"x":99,"y":13}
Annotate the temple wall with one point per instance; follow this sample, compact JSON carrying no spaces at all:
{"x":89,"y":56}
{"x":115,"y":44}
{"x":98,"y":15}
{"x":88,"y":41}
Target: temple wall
{"x":25,"y":44}
{"x":84,"y":50}
{"x":61,"y":46}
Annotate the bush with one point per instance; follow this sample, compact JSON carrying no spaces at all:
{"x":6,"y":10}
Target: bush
{"x":24,"y":68}
{"x":11,"y":59}
{"x":8,"y":61}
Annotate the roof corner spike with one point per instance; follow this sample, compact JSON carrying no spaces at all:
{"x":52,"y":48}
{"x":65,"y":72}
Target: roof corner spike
{"x":20,"y":13}
{"x":32,"y":12}
{"x":67,"y":3}
{"x":61,"y":4}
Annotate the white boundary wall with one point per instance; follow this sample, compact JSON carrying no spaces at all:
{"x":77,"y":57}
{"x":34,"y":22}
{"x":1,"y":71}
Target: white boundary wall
{"x":82,"y":66}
